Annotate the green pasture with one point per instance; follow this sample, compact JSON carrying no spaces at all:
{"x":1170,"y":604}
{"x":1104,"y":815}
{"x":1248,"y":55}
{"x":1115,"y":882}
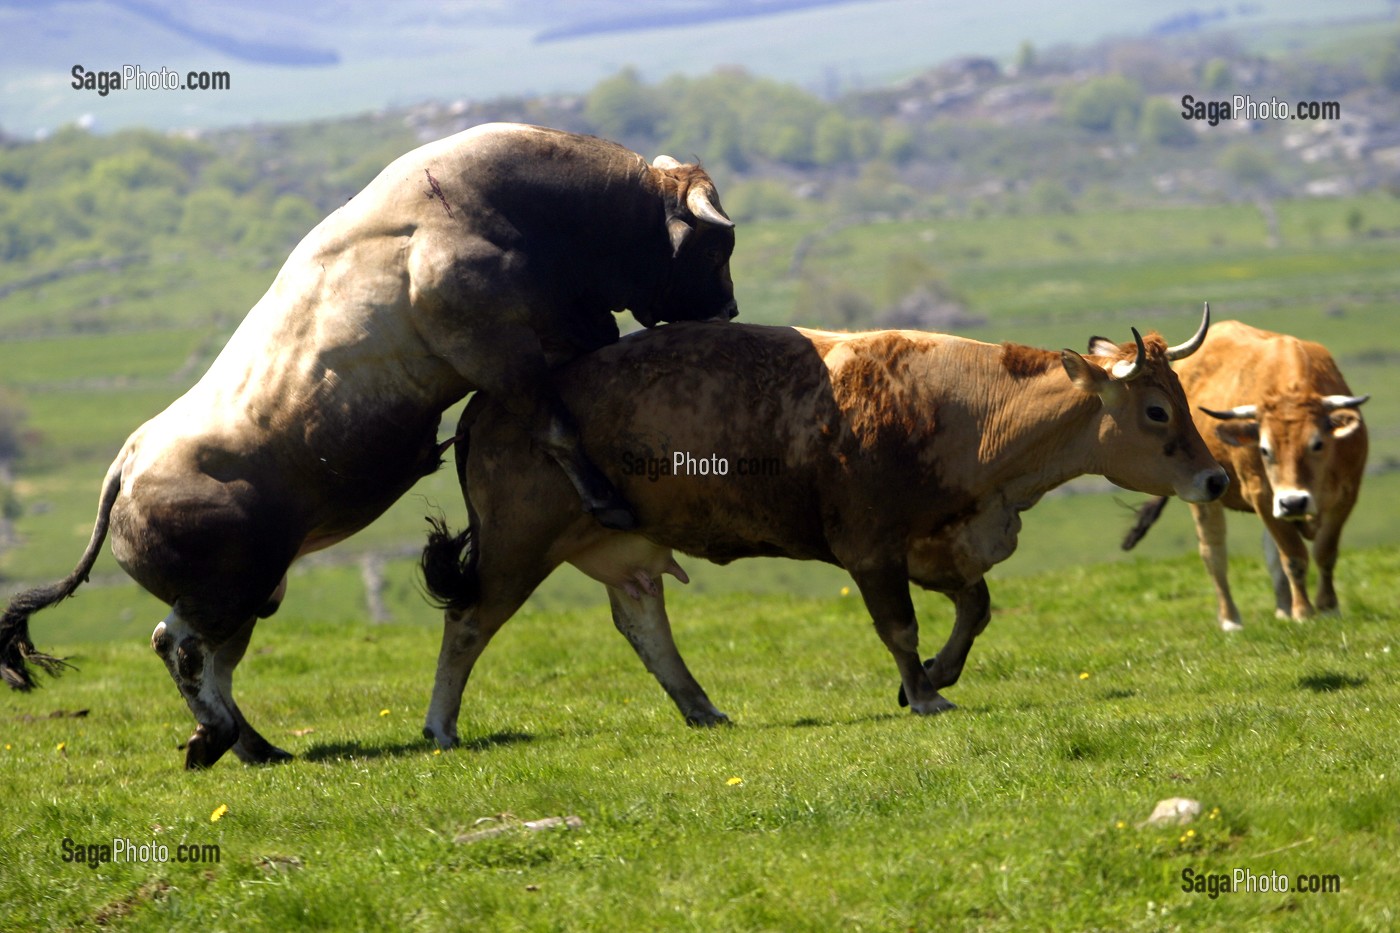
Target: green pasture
{"x":1095,"y":692}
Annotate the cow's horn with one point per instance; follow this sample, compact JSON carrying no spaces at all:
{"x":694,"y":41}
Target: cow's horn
{"x":1233,"y":414}
{"x":1333,"y":402}
{"x":664,"y":162}
{"x":698,"y":200}
{"x":1182,"y":350}
{"x":1128,"y":370}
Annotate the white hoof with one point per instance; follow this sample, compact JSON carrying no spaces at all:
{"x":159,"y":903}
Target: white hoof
{"x":1230,"y":625}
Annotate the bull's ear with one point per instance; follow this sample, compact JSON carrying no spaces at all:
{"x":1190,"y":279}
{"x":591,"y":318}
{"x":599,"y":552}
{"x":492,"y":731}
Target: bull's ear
{"x":1238,"y":433}
{"x":679,"y":230}
{"x":1344,"y":421}
{"x":1085,"y":375}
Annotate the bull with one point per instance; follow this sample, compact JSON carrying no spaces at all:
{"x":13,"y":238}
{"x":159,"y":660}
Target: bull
{"x":473,"y":263}
{"x":904,"y":457}
{"x":1280,"y":418}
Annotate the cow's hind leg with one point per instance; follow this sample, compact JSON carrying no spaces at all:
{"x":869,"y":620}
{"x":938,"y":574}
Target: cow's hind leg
{"x":251,"y":747}
{"x":643,"y":622}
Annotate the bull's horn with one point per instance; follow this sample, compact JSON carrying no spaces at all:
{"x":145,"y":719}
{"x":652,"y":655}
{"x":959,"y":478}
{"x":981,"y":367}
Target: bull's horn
{"x":1333,"y":402}
{"x":664,"y":162}
{"x":1233,"y":414}
{"x":1128,"y":370}
{"x":1183,"y":350}
{"x":698,"y":200}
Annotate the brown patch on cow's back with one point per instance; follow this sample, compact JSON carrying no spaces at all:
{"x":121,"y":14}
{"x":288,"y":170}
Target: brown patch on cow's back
{"x":1023,"y":362}
{"x":875,"y":390}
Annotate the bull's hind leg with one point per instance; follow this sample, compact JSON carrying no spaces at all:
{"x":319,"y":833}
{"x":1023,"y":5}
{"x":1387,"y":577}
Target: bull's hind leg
{"x":643,"y":622}
{"x":188,"y":657}
{"x":203,"y":672}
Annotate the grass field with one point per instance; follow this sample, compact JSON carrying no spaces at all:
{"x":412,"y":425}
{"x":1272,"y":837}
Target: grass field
{"x":1019,"y":811}
{"x":1094,"y":693}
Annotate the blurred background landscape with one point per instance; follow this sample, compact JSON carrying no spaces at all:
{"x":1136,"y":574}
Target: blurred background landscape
{"x":1019,"y":171}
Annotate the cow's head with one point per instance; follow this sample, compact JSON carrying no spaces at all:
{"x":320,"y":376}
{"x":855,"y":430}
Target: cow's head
{"x":697,"y":286}
{"x":1155,"y":445}
{"x":1296,"y":434}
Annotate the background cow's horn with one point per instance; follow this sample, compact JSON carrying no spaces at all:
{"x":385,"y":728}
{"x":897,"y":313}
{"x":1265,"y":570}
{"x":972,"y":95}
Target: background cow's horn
{"x":1233,"y":414}
{"x":1128,"y":370}
{"x":698,"y":200}
{"x":1333,"y":402}
{"x":1183,"y":350}
{"x":664,"y":162}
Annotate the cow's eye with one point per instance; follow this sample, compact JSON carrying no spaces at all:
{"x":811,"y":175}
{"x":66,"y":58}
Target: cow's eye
{"x":1316,"y":445}
{"x":1266,"y":451}
{"x":1158,"y":414}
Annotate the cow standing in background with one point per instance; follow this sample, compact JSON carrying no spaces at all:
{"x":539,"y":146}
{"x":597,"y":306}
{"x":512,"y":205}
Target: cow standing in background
{"x":1280,"y":418}
{"x":902,"y":456}
{"x":473,"y":263}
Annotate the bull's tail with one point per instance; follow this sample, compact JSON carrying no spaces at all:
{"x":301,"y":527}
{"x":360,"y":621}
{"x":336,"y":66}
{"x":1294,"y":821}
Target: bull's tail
{"x":1147,"y":515}
{"x":449,"y":561}
{"x":16,"y":648}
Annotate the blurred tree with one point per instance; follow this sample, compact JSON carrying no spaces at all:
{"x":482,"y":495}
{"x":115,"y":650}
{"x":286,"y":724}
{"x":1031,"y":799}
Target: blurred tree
{"x":1105,"y":103}
{"x":1162,"y":124}
{"x":624,"y":107}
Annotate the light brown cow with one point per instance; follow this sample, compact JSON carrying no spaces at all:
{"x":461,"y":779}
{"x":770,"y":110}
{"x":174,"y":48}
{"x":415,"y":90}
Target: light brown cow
{"x":1280,"y":418}
{"x":475,"y":262}
{"x":900,"y":456}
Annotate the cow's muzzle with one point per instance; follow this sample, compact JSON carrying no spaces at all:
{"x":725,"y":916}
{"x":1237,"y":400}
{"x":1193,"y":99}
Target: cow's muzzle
{"x":728,"y":313}
{"x":1294,"y":505}
{"x":1206,"y":486}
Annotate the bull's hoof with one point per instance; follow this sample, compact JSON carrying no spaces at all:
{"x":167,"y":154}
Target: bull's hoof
{"x":933,"y":707}
{"x":707,"y":719}
{"x":615,"y":517}
{"x":204,"y":748}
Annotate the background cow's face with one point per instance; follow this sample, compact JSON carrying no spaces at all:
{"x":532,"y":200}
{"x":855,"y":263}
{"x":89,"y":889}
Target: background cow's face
{"x":697,"y":285}
{"x":1147,"y":438}
{"x":1296,"y":439}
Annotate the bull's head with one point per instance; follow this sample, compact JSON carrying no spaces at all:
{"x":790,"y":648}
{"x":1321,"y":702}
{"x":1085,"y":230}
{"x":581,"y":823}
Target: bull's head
{"x":1157,"y":448}
{"x":1296,"y":435}
{"x":697,"y":284}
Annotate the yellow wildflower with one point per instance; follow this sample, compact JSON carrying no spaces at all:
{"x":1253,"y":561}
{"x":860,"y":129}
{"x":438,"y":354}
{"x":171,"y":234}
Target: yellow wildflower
{"x":734,"y":781}
{"x":218,"y":813}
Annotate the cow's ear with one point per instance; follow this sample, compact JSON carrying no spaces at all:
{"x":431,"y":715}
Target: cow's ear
{"x":1344,"y":421}
{"x":679,"y":230}
{"x":1085,"y":375}
{"x":1238,"y":433}
{"x":1102,"y":346}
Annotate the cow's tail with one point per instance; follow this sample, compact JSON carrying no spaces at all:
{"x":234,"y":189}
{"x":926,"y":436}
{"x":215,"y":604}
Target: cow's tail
{"x":1147,"y":515}
{"x":16,"y":648}
{"x":449,"y":561}
{"x":449,"y":566}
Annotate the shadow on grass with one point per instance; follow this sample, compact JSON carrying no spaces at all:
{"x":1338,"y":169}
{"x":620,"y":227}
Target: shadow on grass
{"x":333,"y":751}
{"x":1330,"y":682}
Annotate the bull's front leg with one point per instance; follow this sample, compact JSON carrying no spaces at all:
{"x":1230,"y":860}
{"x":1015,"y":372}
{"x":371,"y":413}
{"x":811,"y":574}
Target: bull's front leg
{"x":885,"y":590}
{"x":508,"y":363}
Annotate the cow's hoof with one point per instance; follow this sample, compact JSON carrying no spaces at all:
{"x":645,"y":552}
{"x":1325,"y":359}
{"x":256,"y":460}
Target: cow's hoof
{"x":443,"y":740}
{"x":615,"y":517}
{"x":1230,"y":625}
{"x":933,"y":707}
